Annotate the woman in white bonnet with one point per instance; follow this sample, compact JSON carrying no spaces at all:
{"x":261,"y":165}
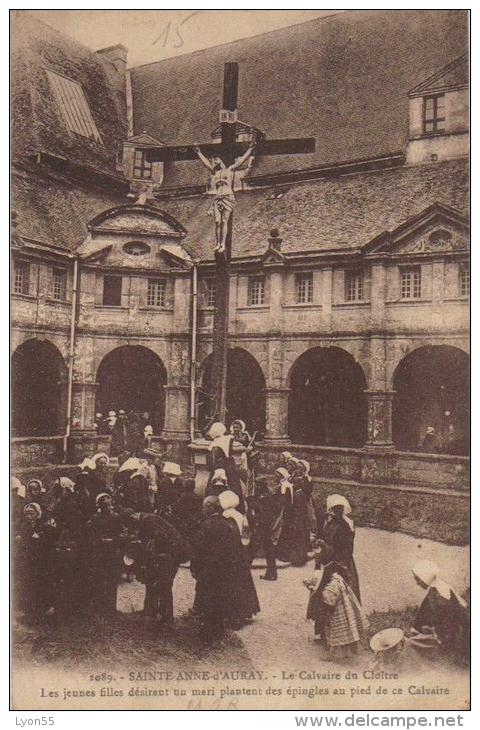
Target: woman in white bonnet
{"x":339,"y":534}
{"x":220,"y":456}
{"x":443,"y":612}
{"x":244,"y":602}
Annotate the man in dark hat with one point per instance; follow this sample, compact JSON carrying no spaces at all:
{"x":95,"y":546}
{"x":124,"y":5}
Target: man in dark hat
{"x":163,"y":548}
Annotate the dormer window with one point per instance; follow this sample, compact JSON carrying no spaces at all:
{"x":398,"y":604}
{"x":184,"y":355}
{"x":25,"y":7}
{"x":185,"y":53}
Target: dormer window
{"x":141,"y":168}
{"x":73,"y":106}
{"x":433,"y":113}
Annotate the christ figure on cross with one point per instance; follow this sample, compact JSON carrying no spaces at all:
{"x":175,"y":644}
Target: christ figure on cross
{"x":220,"y":186}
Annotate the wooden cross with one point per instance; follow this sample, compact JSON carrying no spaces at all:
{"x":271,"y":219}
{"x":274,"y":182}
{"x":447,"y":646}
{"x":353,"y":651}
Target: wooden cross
{"x":228,"y":150}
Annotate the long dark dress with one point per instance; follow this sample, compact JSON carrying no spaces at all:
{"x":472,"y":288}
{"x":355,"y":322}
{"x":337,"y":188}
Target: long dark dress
{"x":244,"y":599}
{"x":217,"y":459}
{"x":294,"y":540}
{"x":338,"y":535}
{"x":34,"y":568}
{"x":224,"y":590}
{"x":107,"y":536}
{"x":71,"y":573}
{"x":449,"y":619}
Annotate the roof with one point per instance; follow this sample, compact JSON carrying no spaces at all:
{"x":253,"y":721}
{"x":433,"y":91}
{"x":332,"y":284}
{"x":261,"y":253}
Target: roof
{"x":39,"y":119}
{"x":343,"y":79}
{"x":453,"y":76}
{"x":55,"y":212}
{"x":325,"y":215}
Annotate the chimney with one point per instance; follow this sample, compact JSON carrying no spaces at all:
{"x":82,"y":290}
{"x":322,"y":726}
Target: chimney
{"x":117,"y":55}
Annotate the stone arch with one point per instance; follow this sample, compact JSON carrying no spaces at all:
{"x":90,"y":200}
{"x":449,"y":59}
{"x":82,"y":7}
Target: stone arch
{"x":39,"y":389}
{"x":245,"y":390}
{"x":399,"y":348}
{"x":132,"y":378}
{"x":432,"y":391}
{"x":327,"y":404}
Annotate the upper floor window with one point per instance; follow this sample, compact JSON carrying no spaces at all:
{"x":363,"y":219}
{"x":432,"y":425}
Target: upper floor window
{"x":464,"y":280}
{"x":256,"y":290}
{"x":21,"y":281}
{"x":59,"y":284}
{"x":156,"y":293}
{"x":112,"y":290}
{"x":142,"y":168}
{"x":433,"y":113}
{"x":411,"y":283}
{"x":353,"y":286}
{"x":211,"y":287}
{"x":73,"y":106}
{"x":304,"y":288}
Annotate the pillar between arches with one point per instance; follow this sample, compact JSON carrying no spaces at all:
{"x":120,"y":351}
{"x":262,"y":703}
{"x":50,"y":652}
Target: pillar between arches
{"x":277,"y":416}
{"x":176,"y":425}
{"x":379,"y":419}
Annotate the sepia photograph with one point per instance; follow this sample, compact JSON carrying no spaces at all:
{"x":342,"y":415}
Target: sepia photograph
{"x":240,"y":369}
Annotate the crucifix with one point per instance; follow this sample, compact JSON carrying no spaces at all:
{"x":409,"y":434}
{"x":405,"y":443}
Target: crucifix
{"x":222,"y":160}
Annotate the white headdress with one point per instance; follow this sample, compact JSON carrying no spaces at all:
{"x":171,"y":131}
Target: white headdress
{"x":338,"y":500}
{"x":228,"y":502}
{"x":428,"y":572}
{"x":172,"y":469}
{"x":219,"y":475}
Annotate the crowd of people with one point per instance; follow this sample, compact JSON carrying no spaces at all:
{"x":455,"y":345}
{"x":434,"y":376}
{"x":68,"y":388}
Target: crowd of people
{"x":128,"y":431}
{"x":74,"y":542}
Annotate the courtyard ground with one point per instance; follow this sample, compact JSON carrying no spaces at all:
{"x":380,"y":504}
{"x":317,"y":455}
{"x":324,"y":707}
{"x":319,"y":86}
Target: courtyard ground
{"x":279,"y":636}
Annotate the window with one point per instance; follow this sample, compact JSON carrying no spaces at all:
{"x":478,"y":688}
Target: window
{"x":142,"y":168}
{"x":156,"y":293}
{"x":256,"y":290}
{"x":434,"y":113}
{"x":59,"y":284}
{"x":304,"y":288}
{"x":21,"y":281}
{"x":112,"y":291}
{"x":73,"y":106}
{"x":464,"y":281}
{"x":353,"y":286}
{"x":211,"y":286}
{"x":411,"y":283}
{"x":136,"y":248}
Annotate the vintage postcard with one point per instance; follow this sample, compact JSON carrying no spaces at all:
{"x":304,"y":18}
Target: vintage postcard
{"x":240,"y":300}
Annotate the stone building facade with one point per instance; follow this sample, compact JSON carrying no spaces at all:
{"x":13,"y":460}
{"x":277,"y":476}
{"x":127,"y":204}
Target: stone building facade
{"x":349,"y":306}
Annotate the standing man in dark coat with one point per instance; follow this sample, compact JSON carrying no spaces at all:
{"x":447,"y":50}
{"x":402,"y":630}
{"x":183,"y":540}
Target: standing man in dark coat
{"x":266,"y":510}
{"x":163,"y":548}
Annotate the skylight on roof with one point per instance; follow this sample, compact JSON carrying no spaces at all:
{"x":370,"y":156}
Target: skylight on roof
{"x":73,"y":106}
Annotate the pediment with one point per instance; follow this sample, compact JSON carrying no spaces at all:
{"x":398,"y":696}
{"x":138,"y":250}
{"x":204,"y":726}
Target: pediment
{"x":135,"y":255}
{"x":438,"y":229}
{"x":435,"y":239}
{"x":137,"y":220}
{"x":452,"y":76}
{"x":273,"y":258}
